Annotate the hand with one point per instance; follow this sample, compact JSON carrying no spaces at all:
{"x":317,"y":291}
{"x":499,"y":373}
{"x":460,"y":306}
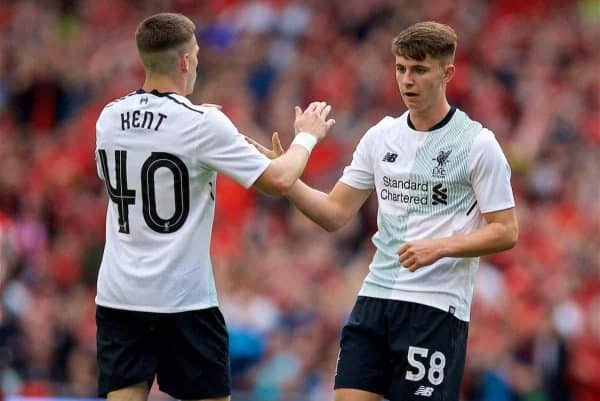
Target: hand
{"x":416,"y":254}
{"x":270,"y":153}
{"x":314,"y":120}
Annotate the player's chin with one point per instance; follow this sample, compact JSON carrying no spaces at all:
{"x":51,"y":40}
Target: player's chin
{"x":411,"y":103}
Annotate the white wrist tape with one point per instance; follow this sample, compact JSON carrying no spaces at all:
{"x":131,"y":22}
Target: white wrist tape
{"x":306,"y":140}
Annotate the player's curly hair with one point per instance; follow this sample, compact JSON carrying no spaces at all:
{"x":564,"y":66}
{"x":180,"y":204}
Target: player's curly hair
{"x":426,"y":38}
{"x":159,"y":34}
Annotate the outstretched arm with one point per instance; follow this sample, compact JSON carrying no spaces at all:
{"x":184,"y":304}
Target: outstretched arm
{"x":330,"y":211}
{"x":499,"y":234}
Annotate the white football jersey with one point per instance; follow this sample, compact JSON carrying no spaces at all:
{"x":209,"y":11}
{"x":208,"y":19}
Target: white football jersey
{"x":429,"y":185}
{"x":159,"y":155}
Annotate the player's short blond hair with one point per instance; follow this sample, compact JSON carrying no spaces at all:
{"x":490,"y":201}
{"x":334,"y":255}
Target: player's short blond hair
{"x":159,"y":37}
{"x":426,"y":38}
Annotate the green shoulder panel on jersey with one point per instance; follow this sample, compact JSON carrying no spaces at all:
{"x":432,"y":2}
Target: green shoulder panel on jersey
{"x":443,"y":161}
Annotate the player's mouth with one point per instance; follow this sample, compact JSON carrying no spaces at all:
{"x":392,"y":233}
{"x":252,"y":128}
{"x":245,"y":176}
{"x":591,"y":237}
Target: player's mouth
{"x":411,"y":94}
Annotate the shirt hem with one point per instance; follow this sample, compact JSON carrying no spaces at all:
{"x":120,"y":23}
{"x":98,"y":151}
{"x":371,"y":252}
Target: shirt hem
{"x":497,"y":208}
{"x":361,"y":187}
{"x":417,"y":298}
{"x":140,"y":308}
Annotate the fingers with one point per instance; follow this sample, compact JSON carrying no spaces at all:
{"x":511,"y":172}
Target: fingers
{"x":311,"y":107}
{"x":325,"y":111}
{"x":314,"y":119}
{"x":407,"y":258}
{"x":322,"y":109}
{"x":258,"y":146}
{"x":320,"y":106}
{"x":403,"y":252}
{"x":277,"y":143}
{"x":251,"y":141}
{"x":411,"y":264}
{"x":404,"y":258}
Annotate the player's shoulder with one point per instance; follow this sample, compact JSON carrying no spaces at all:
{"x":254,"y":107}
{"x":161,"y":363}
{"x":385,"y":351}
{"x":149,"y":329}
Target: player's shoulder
{"x":123,"y":98}
{"x":184,"y":103}
{"x":485,"y":135}
{"x":114,"y":105}
{"x":485,"y":142}
{"x":382,"y":126}
{"x":386,"y":123}
{"x":212,"y":112}
{"x":170,"y":99}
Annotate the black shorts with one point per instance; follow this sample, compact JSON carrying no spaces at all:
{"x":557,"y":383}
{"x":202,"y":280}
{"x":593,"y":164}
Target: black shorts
{"x":188,"y":352}
{"x":402,"y":350}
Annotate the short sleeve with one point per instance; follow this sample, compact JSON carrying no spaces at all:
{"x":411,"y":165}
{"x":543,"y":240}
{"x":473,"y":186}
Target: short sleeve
{"x":359,"y":174}
{"x":489,"y":173}
{"x":96,"y":155}
{"x":98,"y":166}
{"x":224,"y":149}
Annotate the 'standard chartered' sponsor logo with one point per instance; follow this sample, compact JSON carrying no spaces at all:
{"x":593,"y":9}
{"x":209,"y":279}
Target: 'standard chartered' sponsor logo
{"x":416,"y":192}
{"x":439,"y":171}
{"x":413,"y":192}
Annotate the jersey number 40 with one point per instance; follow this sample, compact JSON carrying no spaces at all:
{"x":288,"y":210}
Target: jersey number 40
{"x":124,"y":197}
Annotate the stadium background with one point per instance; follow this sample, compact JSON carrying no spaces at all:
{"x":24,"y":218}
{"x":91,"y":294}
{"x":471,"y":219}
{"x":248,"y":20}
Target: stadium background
{"x":527,"y":69}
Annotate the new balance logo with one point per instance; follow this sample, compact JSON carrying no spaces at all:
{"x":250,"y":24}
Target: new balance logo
{"x":389,"y":157}
{"x":440,"y":195}
{"x":424,"y":391}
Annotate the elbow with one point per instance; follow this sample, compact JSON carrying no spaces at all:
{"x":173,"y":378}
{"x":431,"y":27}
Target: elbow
{"x":510,"y":237}
{"x":335,"y":222}
{"x":281,"y":186}
{"x":513,"y":237}
{"x":275,"y":180}
{"x":275,"y":186}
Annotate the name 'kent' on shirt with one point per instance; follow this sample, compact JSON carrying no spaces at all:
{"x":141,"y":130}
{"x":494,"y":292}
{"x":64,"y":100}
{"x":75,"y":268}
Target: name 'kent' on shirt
{"x":135,"y":119}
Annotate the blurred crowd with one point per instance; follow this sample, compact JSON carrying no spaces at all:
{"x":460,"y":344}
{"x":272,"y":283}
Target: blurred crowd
{"x":527,"y":70}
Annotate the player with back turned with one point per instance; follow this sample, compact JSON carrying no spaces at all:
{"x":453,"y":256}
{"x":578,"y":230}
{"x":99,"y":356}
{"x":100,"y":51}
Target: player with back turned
{"x":444,"y":196}
{"x":159,"y":154}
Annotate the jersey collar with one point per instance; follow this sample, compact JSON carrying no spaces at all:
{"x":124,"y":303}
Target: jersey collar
{"x":439,"y":125}
{"x":155,"y":92}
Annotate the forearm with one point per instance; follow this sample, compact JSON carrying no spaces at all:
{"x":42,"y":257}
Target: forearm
{"x":283,"y":171}
{"x":316,"y":205}
{"x":493,"y":237}
{"x":290,"y":165}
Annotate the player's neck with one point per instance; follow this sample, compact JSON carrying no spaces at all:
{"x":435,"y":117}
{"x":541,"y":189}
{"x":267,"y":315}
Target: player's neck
{"x":424,"y":120}
{"x":163,"y":84}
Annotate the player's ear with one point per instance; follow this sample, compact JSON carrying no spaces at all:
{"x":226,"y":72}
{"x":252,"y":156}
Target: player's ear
{"x":184,"y":62}
{"x":449,"y":72}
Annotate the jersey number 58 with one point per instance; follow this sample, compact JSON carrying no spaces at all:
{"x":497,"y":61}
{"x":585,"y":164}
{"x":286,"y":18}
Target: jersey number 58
{"x":436,"y":365}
